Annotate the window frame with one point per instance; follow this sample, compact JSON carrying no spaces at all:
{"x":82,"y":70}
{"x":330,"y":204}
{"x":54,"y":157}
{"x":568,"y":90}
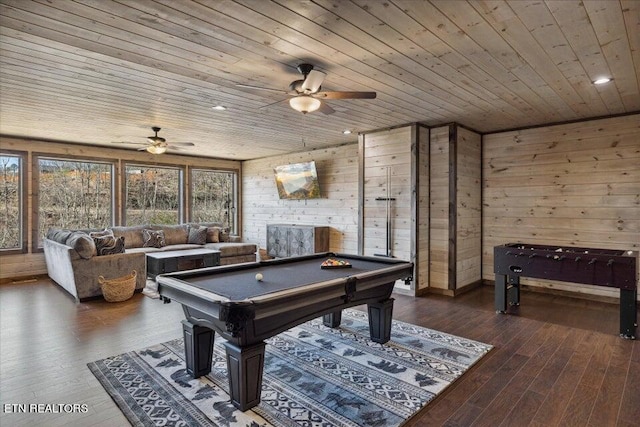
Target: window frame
{"x":35,"y":167}
{"x":22,"y":203}
{"x":235,"y":191}
{"x":181,"y":187}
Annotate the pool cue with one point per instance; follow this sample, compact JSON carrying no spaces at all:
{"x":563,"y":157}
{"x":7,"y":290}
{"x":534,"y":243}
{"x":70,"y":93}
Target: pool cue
{"x":388,"y":199}
{"x":388,"y":211}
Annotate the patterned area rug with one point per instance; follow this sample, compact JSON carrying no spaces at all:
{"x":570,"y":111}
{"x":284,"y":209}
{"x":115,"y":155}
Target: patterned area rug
{"x":313,"y":376}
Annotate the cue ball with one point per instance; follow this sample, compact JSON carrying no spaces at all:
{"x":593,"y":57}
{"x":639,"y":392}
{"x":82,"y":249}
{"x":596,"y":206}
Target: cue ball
{"x":259,"y":277}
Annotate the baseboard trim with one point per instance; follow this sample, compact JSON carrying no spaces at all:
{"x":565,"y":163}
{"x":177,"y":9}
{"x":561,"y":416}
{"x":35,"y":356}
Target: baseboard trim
{"x":450,"y":292}
{"x":408,"y":292}
{"x":422,"y":292}
{"x":438,"y":291}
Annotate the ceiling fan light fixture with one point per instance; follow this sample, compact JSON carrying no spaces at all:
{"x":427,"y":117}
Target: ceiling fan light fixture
{"x":304,"y":104}
{"x":156,"y":149}
{"x":602,"y":80}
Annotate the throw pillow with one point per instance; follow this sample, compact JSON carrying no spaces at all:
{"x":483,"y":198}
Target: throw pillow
{"x":132,"y":235}
{"x":82,"y":243}
{"x":224,"y":234}
{"x":153,"y":238}
{"x":197,"y":235}
{"x":174,"y":234}
{"x":105,"y":232}
{"x":109,"y":245}
{"x":213,"y":234}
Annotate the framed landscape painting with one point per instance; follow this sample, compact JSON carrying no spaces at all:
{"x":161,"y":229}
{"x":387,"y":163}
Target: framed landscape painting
{"x":297,"y":181}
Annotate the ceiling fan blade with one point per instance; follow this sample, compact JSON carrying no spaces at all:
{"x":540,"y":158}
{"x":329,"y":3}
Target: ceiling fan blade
{"x":313,"y":81}
{"x":185,"y":144}
{"x":345,"y":95}
{"x":128,"y":142}
{"x":261,"y":88}
{"x":326,"y":109}
{"x":274,"y":103}
{"x":175,"y":147}
{"x":142,"y":149}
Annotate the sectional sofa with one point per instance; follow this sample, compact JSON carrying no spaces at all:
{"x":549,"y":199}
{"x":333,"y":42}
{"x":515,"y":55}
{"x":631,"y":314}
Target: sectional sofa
{"x":76,"y":258}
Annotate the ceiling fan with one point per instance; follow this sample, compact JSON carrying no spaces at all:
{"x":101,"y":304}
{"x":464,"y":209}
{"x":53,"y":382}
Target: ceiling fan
{"x":156,"y":144}
{"x":306,"y":92}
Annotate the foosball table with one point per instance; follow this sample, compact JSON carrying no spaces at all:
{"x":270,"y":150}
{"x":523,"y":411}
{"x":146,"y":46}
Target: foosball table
{"x":601,"y":267}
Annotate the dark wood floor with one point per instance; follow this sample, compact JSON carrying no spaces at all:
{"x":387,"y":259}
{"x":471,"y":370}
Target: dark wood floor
{"x":559,"y":362}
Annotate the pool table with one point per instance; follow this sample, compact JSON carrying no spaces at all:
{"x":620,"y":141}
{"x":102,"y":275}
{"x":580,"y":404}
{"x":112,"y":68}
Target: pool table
{"x":231,"y":301}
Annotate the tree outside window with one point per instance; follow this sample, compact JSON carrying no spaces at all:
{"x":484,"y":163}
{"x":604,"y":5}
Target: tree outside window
{"x":213,"y":197}
{"x":10,"y":194}
{"x":152,"y":195}
{"x":74,"y":195}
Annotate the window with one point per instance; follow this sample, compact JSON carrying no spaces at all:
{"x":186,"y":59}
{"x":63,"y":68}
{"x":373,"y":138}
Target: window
{"x":213,"y":197}
{"x":153,"y":195}
{"x":11,"y":220}
{"x":74,"y":194}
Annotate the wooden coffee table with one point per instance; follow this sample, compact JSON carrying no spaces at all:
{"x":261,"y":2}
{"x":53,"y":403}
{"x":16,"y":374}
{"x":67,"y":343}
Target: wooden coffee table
{"x":188,"y":259}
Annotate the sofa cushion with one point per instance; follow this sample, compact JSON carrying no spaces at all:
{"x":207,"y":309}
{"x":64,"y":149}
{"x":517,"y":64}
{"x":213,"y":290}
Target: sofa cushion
{"x":82,"y":243}
{"x":232,"y":249}
{"x":197,"y":235}
{"x":213,"y":234}
{"x":101,"y":233}
{"x":237,"y":259}
{"x":224,"y":234}
{"x":132,"y":235}
{"x":181,"y":247}
{"x":109,"y":245}
{"x":143,"y":250}
{"x":205,"y":224}
{"x":153,"y":238}
{"x":59,"y":235}
{"x":174,"y":234}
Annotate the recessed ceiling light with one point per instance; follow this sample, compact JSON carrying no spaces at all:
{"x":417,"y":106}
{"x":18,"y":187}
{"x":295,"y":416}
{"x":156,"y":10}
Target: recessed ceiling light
{"x":346,"y":132}
{"x":219,"y":107}
{"x":602,"y":81}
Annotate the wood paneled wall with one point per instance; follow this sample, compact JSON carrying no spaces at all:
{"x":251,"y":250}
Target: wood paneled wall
{"x":422,"y":233}
{"x":338,"y":208}
{"x":456,"y":211}
{"x":32,"y":263}
{"x":568,"y":185}
{"x":468,"y":207}
{"x":408,"y":151}
{"x":439,"y":209}
{"x":388,"y":150}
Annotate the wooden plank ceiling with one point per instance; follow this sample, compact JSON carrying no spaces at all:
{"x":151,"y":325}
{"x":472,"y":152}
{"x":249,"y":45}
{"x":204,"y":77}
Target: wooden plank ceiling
{"x":96,"y":71}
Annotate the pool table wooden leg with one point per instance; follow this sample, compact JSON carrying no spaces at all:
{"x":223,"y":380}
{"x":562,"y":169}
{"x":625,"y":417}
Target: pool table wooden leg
{"x":380,"y":315}
{"x":245,"y":366}
{"x":332,"y":320}
{"x":198,"y":348}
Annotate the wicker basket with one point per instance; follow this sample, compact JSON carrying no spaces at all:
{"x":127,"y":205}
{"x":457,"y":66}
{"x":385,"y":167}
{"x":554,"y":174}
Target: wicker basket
{"x":118,"y":289}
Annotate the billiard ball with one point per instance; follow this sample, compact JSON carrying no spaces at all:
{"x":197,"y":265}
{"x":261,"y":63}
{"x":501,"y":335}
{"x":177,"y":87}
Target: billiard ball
{"x":259,"y":277}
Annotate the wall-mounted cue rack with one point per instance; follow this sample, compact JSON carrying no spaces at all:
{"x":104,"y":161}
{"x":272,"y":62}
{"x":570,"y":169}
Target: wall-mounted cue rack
{"x":388,"y":201}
